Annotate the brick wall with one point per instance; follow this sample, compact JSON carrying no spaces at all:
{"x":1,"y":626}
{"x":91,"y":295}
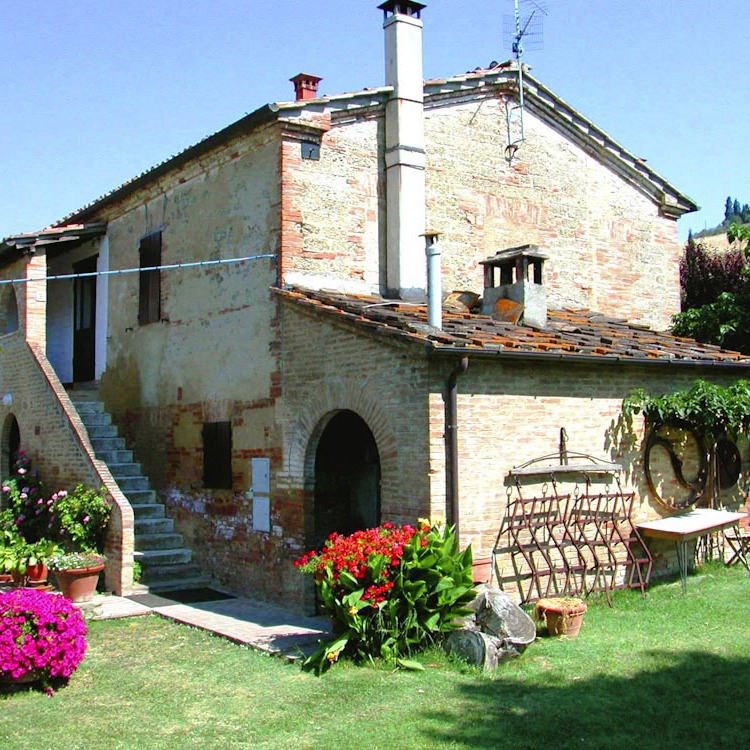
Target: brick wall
{"x":610,"y":249}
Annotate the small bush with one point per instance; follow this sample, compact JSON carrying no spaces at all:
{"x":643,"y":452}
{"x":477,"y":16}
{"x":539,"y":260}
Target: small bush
{"x":390,"y":591}
{"x":40,"y":633}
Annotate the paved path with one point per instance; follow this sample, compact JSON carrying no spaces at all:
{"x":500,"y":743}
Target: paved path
{"x":253,"y":623}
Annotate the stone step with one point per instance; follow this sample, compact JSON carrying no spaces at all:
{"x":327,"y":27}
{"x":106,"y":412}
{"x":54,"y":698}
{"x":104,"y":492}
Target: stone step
{"x":107,"y":443}
{"x":142,"y":511}
{"x":115,"y":456}
{"x":158,"y":541}
{"x":123,"y":470}
{"x":85,"y":408}
{"x":95,"y":418}
{"x":187,"y":581}
{"x":161,"y":558}
{"x":166,"y":572}
{"x":130,"y":484}
{"x":97,"y":431}
{"x":151,"y":525}
{"x":142,"y":497}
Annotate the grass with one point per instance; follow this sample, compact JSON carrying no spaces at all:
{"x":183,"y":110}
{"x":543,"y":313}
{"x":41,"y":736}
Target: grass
{"x":668,"y":671}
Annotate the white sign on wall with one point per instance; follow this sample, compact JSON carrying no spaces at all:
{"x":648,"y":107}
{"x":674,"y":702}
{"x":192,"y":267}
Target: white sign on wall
{"x":260,"y":473}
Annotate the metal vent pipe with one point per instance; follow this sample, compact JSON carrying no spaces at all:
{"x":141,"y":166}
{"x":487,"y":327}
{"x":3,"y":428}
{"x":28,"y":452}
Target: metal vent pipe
{"x":434,"y":280}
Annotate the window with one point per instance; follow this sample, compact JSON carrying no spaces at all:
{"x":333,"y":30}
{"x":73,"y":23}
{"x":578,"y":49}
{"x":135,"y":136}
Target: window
{"x":149,"y":292}
{"x":217,"y":455}
{"x":8,"y":310}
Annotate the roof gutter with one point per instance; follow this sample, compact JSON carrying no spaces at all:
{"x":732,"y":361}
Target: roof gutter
{"x":458,"y":351}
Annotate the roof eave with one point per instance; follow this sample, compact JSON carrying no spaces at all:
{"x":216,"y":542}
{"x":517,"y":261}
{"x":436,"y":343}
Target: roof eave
{"x":260,"y":116}
{"x":462,"y":351}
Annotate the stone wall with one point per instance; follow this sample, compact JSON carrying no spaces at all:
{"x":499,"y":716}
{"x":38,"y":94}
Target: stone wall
{"x":511,"y":413}
{"x":610,"y":249}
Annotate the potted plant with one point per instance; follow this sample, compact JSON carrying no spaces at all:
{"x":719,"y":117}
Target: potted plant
{"x":44,"y":637}
{"x":562,"y":615}
{"x":77,"y":574}
{"x":27,"y":561}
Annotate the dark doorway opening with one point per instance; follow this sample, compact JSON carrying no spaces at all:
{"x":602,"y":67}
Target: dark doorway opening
{"x":11,"y":445}
{"x":84,"y":322}
{"x":347,"y":478}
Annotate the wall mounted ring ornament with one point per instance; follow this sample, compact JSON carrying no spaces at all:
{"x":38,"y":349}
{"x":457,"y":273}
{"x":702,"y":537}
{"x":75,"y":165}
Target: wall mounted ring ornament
{"x":675,"y":465}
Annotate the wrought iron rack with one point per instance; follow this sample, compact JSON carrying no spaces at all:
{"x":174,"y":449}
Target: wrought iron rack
{"x":559,"y":542}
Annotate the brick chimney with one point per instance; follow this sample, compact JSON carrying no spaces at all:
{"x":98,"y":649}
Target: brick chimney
{"x":406,"y":273}
{"x":521,"y":281}
{"x":305,"y":86}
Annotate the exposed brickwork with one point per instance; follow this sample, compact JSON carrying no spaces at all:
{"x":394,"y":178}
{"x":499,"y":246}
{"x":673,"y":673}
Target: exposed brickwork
{"x":52,"y":434}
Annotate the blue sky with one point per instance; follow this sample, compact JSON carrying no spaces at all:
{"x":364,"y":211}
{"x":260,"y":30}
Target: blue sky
{"x":96,"y":91}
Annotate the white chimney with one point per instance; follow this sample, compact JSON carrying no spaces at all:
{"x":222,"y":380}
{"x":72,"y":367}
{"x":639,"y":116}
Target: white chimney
{"x":404,"y":150}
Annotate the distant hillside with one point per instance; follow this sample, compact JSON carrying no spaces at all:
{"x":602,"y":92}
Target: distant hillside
{"x":734,"y":213}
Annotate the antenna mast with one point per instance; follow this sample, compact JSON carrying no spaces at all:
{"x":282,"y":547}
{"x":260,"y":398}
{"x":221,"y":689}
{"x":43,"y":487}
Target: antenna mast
{"x":525,"y":26}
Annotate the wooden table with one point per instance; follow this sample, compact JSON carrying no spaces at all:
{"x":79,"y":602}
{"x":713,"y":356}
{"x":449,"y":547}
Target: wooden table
{"x":686,"y":526}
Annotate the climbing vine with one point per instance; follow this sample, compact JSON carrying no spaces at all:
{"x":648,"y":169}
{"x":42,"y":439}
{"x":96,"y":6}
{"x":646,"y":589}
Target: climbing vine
{"x":713,"y":411}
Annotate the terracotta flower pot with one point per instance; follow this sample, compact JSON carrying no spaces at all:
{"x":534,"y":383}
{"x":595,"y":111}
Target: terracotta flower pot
{"x":562,"y":615}
{"x":31,"y":676}
{"x":78,"y":584}
{"x":36,"y":574}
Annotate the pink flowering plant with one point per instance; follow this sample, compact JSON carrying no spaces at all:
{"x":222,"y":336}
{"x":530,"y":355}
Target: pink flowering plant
{"x":389,"y":591}
{"x":77,"y":520}
{"x":40,"y":633}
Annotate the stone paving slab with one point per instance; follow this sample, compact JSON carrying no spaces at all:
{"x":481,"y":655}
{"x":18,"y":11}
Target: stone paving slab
{"x":257,"y":624}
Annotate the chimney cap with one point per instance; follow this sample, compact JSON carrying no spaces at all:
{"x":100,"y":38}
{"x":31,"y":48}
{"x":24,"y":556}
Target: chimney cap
{"x":306,"y":85}
{"x":512,"y":253}
{"x":405,"y":7}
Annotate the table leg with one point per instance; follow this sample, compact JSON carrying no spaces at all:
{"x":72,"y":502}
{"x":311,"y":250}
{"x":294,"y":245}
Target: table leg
{"x":682,"y":561}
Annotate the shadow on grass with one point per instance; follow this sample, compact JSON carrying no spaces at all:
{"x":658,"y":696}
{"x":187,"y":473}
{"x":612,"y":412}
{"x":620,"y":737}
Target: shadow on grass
{"x":683,"y":700}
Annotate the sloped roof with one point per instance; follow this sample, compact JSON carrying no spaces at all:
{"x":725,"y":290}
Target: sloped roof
{"x":478,"y":83}
{"x":574,"y":335}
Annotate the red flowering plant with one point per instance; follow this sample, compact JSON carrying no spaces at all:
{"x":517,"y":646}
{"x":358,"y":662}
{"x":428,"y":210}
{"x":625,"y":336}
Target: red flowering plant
{"x":42,"y":636}
{"x":389,"y":591}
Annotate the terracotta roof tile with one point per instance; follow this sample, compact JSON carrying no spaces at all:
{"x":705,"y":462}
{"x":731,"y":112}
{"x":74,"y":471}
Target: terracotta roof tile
{"x":569,"y":333}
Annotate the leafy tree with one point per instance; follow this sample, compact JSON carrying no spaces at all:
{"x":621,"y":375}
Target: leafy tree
{"x":705,"y":275}
{"x":728,"y":208}
{"x":716,"y":294}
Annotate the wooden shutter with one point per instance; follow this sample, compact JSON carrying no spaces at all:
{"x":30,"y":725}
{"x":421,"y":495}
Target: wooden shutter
{"x":149,"y":293}
{"x":217,"y":455}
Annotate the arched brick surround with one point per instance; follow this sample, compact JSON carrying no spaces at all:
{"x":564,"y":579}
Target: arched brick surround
{"x":310,"y":420}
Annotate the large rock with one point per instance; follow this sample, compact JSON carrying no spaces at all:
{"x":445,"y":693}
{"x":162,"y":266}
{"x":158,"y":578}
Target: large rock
{"x":498,"y":615}
{"x":497,"y":630}
{"x":474,"y":648}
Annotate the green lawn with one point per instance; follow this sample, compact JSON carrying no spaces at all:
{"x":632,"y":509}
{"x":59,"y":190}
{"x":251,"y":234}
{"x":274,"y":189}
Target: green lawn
{"x":670,"y":671}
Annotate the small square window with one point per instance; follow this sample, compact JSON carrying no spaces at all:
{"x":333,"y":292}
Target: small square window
{"x":217,"y":455}
{"x":310,"y":151}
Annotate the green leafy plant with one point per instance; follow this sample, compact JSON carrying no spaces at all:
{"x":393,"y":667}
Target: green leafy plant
{"x":81,"y":518}
{"x":390,"y":591}
{"x":712,"y":410}
{"x":21,"y":555}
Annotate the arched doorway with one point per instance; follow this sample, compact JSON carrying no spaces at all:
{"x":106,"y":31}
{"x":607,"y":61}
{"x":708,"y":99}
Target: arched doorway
{"x":347,"y":478}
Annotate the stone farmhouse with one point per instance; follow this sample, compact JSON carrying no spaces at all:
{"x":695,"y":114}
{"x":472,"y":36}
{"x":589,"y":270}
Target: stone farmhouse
{"x":242,"y":346}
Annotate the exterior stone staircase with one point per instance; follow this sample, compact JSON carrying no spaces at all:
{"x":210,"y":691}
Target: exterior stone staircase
{"x":166,"y":563}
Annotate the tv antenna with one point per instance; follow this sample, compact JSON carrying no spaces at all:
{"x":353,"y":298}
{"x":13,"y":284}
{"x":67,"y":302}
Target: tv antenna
{"x":524,"y":30}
